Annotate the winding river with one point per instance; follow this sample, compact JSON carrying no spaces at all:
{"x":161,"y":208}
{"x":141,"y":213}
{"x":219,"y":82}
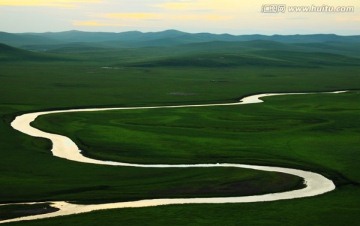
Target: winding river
{"x":64,"y":147}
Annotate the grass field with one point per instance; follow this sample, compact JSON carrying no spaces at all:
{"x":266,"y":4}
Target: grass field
{"x":304,"y":131}
{"x":313,"y":132}
{"x":13,"y":211}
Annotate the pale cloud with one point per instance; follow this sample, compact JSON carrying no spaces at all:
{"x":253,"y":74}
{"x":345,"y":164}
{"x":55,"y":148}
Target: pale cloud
{"x":136,"y":16}
{"x":166,"y":16}
{"x":219,"y":16}
{"x":181,"y":5}
{"x":348,"y":19}
{"x":146,"y":20}
{"x":93,"y":23}
{"x":213,"y":5}
{"x":51,"y":3}
{"x":201,"y":17}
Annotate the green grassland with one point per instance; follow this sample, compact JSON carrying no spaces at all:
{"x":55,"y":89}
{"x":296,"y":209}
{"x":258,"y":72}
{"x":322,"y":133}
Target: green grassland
{"x":313,"y":132}
{"x":13,"y":211}
{"x":304,"y":131}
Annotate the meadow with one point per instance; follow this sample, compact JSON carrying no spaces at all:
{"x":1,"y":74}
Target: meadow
{"x":317,"y":132}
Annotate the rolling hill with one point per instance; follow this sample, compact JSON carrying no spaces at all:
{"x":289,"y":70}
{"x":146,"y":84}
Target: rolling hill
{"x":8,"y":53}
{"x":174,"y":48}
{"x":277,"y":58}
{"x":164,"y":38}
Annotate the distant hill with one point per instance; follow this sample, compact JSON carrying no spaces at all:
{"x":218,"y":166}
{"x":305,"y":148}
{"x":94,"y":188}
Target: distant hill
{"x":20,"y":40}
{"x":213,"y":60}
{"x":8,"y":53}
{"x":276,"y":58}
{"x":175,"y":48}
{"x":165,"y":38}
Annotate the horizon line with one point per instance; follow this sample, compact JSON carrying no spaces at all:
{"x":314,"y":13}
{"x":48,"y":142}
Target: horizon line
{"x":175,"y":30}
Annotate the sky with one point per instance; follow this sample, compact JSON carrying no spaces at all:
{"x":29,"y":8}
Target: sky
{"x":215,"y":16}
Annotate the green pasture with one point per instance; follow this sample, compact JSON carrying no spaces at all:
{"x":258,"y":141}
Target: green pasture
{"x":318,"y":132}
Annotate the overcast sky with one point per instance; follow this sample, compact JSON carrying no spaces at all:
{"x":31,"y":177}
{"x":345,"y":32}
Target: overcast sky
{"x":216,"y":16}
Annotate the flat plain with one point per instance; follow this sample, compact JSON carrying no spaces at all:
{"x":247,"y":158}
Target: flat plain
{"x":316,"y":132}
